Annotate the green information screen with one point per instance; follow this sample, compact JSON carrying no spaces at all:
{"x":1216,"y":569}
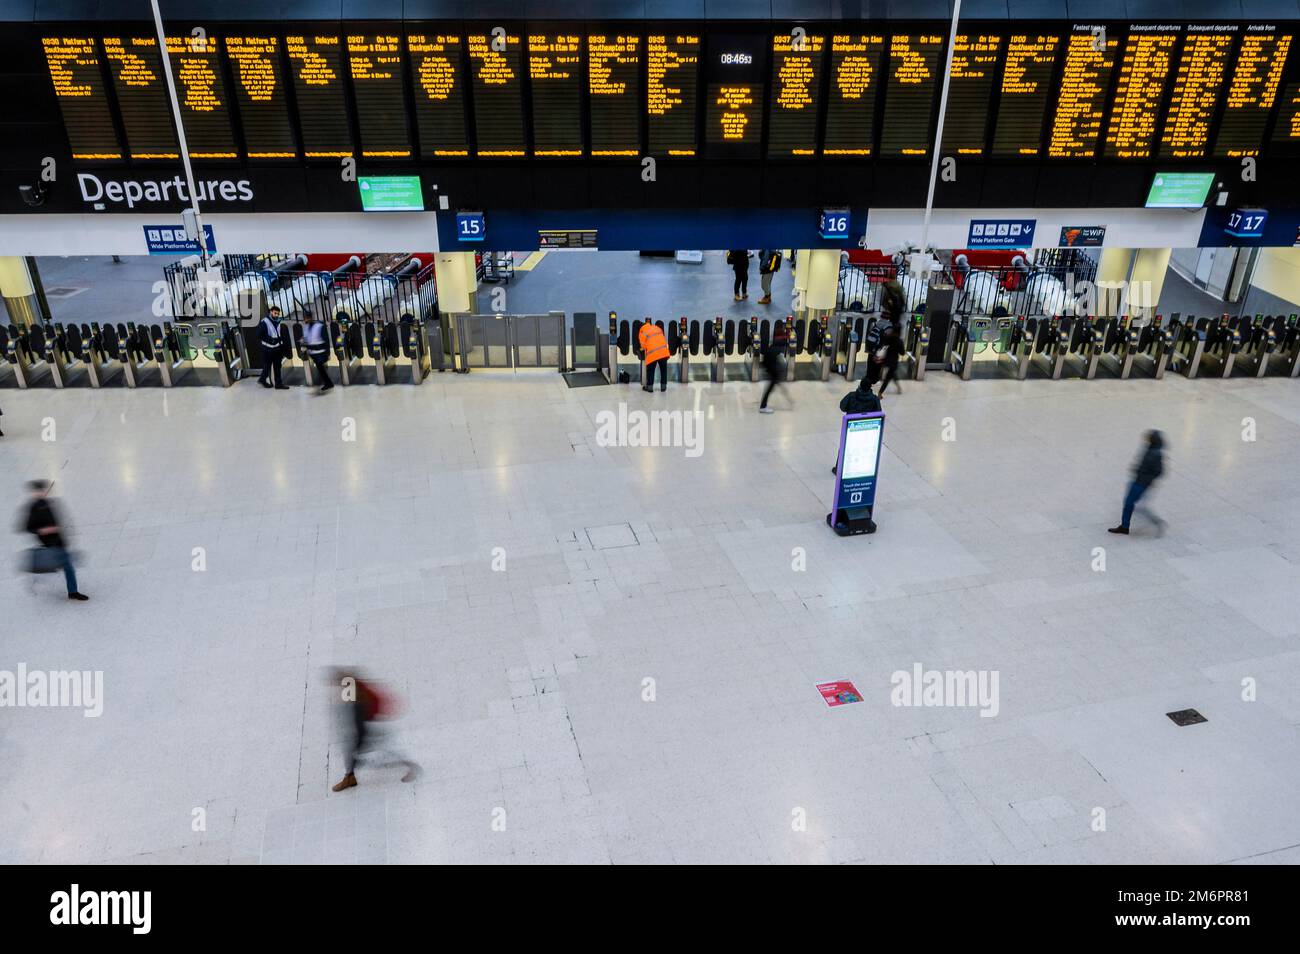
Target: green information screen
{"x":391,"y":194}
{"x":1179,"y":190}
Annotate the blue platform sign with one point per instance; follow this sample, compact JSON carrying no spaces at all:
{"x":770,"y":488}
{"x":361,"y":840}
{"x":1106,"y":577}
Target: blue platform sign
{"x":834,"y":224}
{"x":1001,"y":233}
{"x":1246,"y":223}
{"x":172,"y":240}
{"x":471,"y":227}
{"x":856,"y":469}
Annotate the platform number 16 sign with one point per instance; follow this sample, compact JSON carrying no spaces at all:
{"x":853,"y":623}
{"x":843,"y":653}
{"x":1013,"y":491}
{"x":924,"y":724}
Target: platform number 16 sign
{"x":835,"y":224}
{"x":470,"y":227}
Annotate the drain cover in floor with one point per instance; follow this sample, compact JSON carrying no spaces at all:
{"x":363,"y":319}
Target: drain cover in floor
{"x":63,"y":291}
{"x":1186,"y":717}
{"x":611,"y":537}
{"x":584,"y":379}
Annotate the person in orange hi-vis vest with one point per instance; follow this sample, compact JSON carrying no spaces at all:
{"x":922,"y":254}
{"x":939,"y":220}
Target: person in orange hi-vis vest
{"x":654,"y":350}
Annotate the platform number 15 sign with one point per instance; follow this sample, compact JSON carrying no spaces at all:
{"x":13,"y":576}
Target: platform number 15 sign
{"x":470,"y":227}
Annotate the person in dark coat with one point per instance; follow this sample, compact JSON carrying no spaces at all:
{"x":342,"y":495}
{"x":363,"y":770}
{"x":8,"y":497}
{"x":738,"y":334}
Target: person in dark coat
{"x":738,"y":259}
{"x":891,"y":348}
{"x":275,"y":345}
{"x":44,"y":524}
{"x":774,"y":364}
{"x":859,"y":401}
{"x":1148,"y":469}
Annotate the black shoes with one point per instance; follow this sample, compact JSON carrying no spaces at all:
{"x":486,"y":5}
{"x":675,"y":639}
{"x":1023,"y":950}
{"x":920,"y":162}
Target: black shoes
{"x":1123,"y":530}
{"x":282,"y":387}
{"x":265,"y":384}
{"x":80,"y":597}
{"x":644,"y":388}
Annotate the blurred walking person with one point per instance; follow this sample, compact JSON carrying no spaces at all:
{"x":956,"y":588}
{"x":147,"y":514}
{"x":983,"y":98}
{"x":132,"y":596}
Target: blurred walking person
{"x":774,"y":364}
{"x":318,"y":347}
{"x":363,"y":704}
{"x":1146,"y":471}
{"x":886,"y":357}
{"x":43,"y":523}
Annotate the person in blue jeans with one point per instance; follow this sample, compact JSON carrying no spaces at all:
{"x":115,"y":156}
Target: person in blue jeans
{"x":43,"y":523}
{"x":1146,"y":472}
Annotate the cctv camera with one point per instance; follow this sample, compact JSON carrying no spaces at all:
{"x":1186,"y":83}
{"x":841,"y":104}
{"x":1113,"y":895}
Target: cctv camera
{"x":33,"y":195}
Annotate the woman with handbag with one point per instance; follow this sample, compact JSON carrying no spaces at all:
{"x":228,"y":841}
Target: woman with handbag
{"x":52,"y":554}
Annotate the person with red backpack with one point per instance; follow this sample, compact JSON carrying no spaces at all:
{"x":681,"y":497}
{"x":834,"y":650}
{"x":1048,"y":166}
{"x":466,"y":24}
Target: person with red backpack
{"x":364,"y":704}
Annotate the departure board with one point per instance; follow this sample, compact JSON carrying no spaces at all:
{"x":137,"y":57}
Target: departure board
{"x":437,"y":74}
{"x":734,"y":118}
{"x":375,"y":61}
{"x":555,"y":76}
{"x":672,"y":75}
{"x":851,"y":95}
{"x":1143,"y":73}
{"x":1081,"y":102}
{"x":1197,"y":88}
{"x":494,"y":62}
{"x":796,"y":87}
{"x":259,"y":91}
{"x":1286,"y":131}
{"x":970,"y":90}
{"x":915,"y":71}
{"x":614,"y":87}
{"x":201,"y":93}
{"x":141,"y":90}
{"x":317,"y":65}
{"x":79,"y":88}
{"x":1026,"y":78}
{"x":1252,"y":92}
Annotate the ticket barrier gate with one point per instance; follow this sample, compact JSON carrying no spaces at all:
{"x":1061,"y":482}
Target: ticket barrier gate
{"x":740,"y":337}
{"x":1120,"y":343}
{"x":210,"y":348}
{"x":1051,"y":346}
{"x":1155,"y":344}
{"x":916,"y":342}
{"x":1285,"y":359}
{"x":1189,"y":344}
{"x":173,"y":365}
{"x":1258,"y":342}
{"x":854,"y":330}
{"x":106,"y":358}
{"x":349,"y":350}
{"x":67,"y":351}
{"x":1085,"y":342}
{"x":1222,"y":342}
{"x":382,"y":348}
{"x":811,"y":339}
{"x":981,"y":346}
{"x":25,"y":353}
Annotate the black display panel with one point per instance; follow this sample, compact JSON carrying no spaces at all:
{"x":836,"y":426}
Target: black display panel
{"x":851,"y":94}
{"x":259,"y":91}
{"x":915,"y":72}
{"x":141,"y":89}
{"x":1143,"y":76}
{"x":438,"y":77}
{"x":1198,"y":87}
{"x":797,"y":58}
{"x":1026,"y":86}
{"x":672,"y":76}
{"x":970,"y":91}
{"x":1081,"y":99}
{"x":495,"y":77}
{"x":201,"y":93}
{"x":555,"y":76}
{"x":1256,"y":76}
{"x":734,"y":118}
{"x":614,"y":89}
{"x":316,"y":61}
{"x":74,"y":68}
{"x":375,"y":62}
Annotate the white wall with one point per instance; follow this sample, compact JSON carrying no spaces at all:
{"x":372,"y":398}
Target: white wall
{"x":887,"y":229}
{"x":57,"y":234}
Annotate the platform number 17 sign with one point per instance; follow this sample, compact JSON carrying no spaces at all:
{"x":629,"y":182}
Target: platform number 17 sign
{"x":471,"y":227}
{"x":1246,"y":223}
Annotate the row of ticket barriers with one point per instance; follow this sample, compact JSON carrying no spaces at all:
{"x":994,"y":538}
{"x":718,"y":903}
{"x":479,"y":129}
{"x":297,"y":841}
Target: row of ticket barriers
{"x":1122,"y":347}
{"x":211,"y":352}
{"x":973,"y":346}
{"x":732,"y":349}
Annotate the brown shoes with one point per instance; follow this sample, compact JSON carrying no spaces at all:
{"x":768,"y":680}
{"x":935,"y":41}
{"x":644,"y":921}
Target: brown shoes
{"x":349,"y":781}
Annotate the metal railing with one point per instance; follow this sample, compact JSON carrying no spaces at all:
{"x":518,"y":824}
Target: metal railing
{"x":1040,"y":289}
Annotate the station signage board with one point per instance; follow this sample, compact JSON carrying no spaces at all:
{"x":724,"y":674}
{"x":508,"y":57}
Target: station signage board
{"x":172,"y":240}
{"x":1082,"y":236}
{"x":391,"y":193}
{"x":1001,"y":233}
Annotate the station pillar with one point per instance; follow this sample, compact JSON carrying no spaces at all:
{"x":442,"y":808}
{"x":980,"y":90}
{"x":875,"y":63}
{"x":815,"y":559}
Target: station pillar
{"x":1147,"y":280}
{"x":18,"y":291}
{"x":817,"y":280}
{"x":1112,"y":278}
{"x":1277,"y":272}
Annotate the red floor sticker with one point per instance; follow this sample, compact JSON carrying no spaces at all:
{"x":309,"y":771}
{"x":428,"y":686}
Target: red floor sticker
{"x":839,"y":693}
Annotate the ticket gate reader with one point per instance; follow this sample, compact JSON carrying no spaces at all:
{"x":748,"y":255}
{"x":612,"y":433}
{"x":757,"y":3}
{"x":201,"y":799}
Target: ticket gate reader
{"x":1052,"y":345}
{"x":916,"y":345}
{"x":1285,"y":359}
{"x":1190,"y":338}
{"x":683,"y":350}
{"x":719,"y":353}
{"x":853,"y":331}
{"x":828,"y":348}
{"x":1154,"y":346}
{"x":106,"y":358}
{"x":1119,"y":347}
{"x":345,"y":339}
{"x":1222,"y":342}
{"x":67,"y":353}
{"x":26,"y":355}
{"x":172,"y":364}
{"x":1258,"y":343}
